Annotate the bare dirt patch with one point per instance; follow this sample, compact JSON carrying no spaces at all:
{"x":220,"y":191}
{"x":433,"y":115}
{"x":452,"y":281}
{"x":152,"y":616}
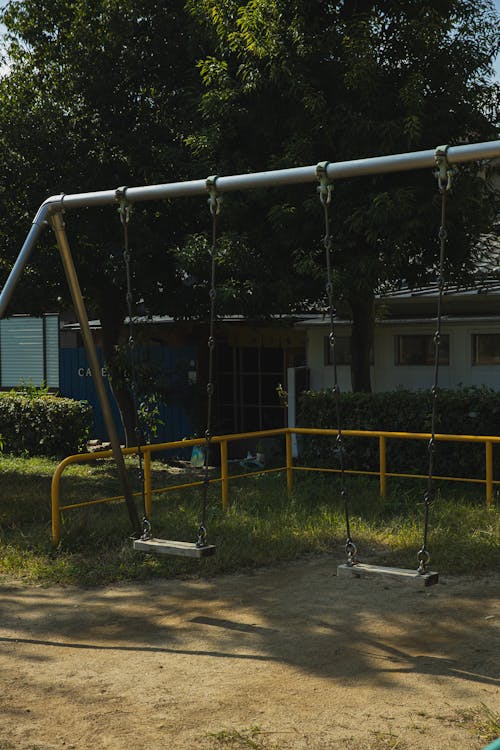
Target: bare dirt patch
{"x":307,"y":659}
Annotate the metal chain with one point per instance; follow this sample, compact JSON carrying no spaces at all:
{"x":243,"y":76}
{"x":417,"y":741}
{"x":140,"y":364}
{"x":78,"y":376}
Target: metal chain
{"x":124,"y":211}
{"x":325,"y":190}
{"x":444,"y":178}
{"x":214,"y":202}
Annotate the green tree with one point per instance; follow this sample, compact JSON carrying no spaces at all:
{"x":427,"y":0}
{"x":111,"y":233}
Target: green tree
{"x":98,"y":95}
{"x":298,"y":82}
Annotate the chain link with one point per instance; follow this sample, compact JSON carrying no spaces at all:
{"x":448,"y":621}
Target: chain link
{"x":125,"y":212}
{"x":215,"y":205}
{"x":325,"y":191}
{"x":444,"y":177}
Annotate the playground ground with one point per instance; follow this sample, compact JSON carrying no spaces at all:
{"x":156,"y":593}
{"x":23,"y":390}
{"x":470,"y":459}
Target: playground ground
{"x":290,"y":657}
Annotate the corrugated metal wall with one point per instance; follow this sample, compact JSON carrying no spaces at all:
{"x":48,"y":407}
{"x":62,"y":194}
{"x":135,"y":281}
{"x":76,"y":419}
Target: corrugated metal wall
{"x":52,"y":350}
{"x":174,"y":364}
{"x":29,"y":351}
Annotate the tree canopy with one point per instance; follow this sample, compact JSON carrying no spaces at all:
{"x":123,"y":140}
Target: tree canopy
{"x":98,"y":95}
{"x":298,"y":82}
{"x":118,"y":92}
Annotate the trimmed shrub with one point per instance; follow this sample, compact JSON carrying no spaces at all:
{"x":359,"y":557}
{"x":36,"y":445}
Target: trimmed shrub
{"x":466,"y":411}
{"x":43,"y":425}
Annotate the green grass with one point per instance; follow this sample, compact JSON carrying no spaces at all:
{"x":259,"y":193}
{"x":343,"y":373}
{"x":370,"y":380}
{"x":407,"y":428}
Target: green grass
{"x":262,"y":527}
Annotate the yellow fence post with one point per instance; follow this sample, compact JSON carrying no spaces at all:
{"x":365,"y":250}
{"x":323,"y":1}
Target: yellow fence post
{"x":58,"y":507}
{"x":289,"y":462}
{"x":382,"y":466}
{"x":148,"y":494}
{"x":224,"y":474}
{"x":56,"y":513}
{"x":489,"y":473}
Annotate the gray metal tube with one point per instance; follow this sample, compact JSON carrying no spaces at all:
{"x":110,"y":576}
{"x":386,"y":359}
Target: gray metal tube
{"x":297,"y":175}
{"x":95,"y":368}
{"x":39,"y":224}
{"x":415,"y":160}
{"x":293,"y":176}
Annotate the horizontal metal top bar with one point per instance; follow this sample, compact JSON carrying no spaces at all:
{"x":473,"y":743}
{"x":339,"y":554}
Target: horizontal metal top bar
{"x":273,"y":178}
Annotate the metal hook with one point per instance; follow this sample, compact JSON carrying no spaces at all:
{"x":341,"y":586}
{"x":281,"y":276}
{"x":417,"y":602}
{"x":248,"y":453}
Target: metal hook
{"x":146,"y":529}
{"x":215,"y":200}
{"x":444,"y":171}
{"x":423,"y":558}
{"x":124,"y":207}
{"x":325,"y":188}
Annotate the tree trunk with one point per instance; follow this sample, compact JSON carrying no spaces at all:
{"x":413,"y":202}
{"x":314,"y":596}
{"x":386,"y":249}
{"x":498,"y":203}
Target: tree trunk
{"x":111,"y":328}
{"x":363,"y":323}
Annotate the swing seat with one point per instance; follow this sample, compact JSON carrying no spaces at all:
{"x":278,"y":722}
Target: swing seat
{"x":171,"y":547}
{"x":412,"y":577}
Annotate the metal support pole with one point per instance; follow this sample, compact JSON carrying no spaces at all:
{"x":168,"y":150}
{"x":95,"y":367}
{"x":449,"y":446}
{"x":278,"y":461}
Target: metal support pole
{"x":292,"y":176}
{"x":148,"y":488}
{"x":489,"y":473}
{"x":95,"y":368}
{"x":224,"y":474}
{"x":382,"y":466}
{"x":39,"y":224}
{"x":289,"y":461}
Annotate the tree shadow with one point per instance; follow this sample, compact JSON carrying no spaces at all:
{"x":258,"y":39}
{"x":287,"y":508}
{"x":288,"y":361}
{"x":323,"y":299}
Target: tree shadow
{"x":300,"y":615}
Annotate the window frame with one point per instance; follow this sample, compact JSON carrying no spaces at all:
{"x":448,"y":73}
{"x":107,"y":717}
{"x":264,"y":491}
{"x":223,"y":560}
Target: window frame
{"x":346,"y":359}
{"x":427,"y":349}
{"x":343,"y":361}
{"x":475,"y":361}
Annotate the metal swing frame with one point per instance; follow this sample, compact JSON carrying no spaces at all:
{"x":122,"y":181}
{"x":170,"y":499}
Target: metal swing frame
{"x":51,"y":212}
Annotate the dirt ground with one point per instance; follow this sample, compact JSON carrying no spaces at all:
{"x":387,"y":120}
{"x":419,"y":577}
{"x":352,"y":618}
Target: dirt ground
{"x":310,"y":659}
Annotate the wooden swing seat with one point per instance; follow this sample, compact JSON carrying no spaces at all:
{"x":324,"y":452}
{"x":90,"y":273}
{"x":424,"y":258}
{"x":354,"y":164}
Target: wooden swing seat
{"x":171,"y":547}
{"x":412,"y":577}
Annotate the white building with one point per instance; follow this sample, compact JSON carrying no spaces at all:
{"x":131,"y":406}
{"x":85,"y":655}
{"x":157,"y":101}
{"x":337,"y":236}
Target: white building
{"x":403,"y":352}
{"x":403,"y":349}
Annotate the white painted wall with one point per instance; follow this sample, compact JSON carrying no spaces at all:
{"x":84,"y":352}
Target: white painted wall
{"x":322,"y":377}
{"x":387,"y":376}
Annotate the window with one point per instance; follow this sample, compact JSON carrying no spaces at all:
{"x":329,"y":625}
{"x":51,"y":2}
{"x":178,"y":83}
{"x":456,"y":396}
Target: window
{"x":247,"y":378}
{"x":419,"y":349}
{"x":342,"y":350}
{"x":486,"y":349}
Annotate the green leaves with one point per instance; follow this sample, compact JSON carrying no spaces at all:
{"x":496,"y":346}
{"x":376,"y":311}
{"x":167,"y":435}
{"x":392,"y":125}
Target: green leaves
{"x":38,"y":424}
{"x":465,"y":411}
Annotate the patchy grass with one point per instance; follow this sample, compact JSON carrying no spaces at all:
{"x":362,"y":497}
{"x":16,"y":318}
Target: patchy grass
{"x":255,"y":738}
{"x":246,"y":739}
{"x":262,"y":526}
{"x":385,"y":741}
{"x":482,"y":722}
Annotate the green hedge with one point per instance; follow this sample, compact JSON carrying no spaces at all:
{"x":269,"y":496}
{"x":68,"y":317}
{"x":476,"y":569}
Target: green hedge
{"x":467,"y":411}
{"x":43,"y":425}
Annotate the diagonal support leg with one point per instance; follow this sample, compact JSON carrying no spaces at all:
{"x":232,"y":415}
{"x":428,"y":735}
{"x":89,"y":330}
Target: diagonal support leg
{"x":57,"y":224}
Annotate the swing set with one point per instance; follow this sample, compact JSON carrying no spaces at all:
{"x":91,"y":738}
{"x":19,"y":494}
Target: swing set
{"x":325,"y":174}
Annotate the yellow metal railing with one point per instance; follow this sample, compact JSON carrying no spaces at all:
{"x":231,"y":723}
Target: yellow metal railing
{"x":289,"y":467}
